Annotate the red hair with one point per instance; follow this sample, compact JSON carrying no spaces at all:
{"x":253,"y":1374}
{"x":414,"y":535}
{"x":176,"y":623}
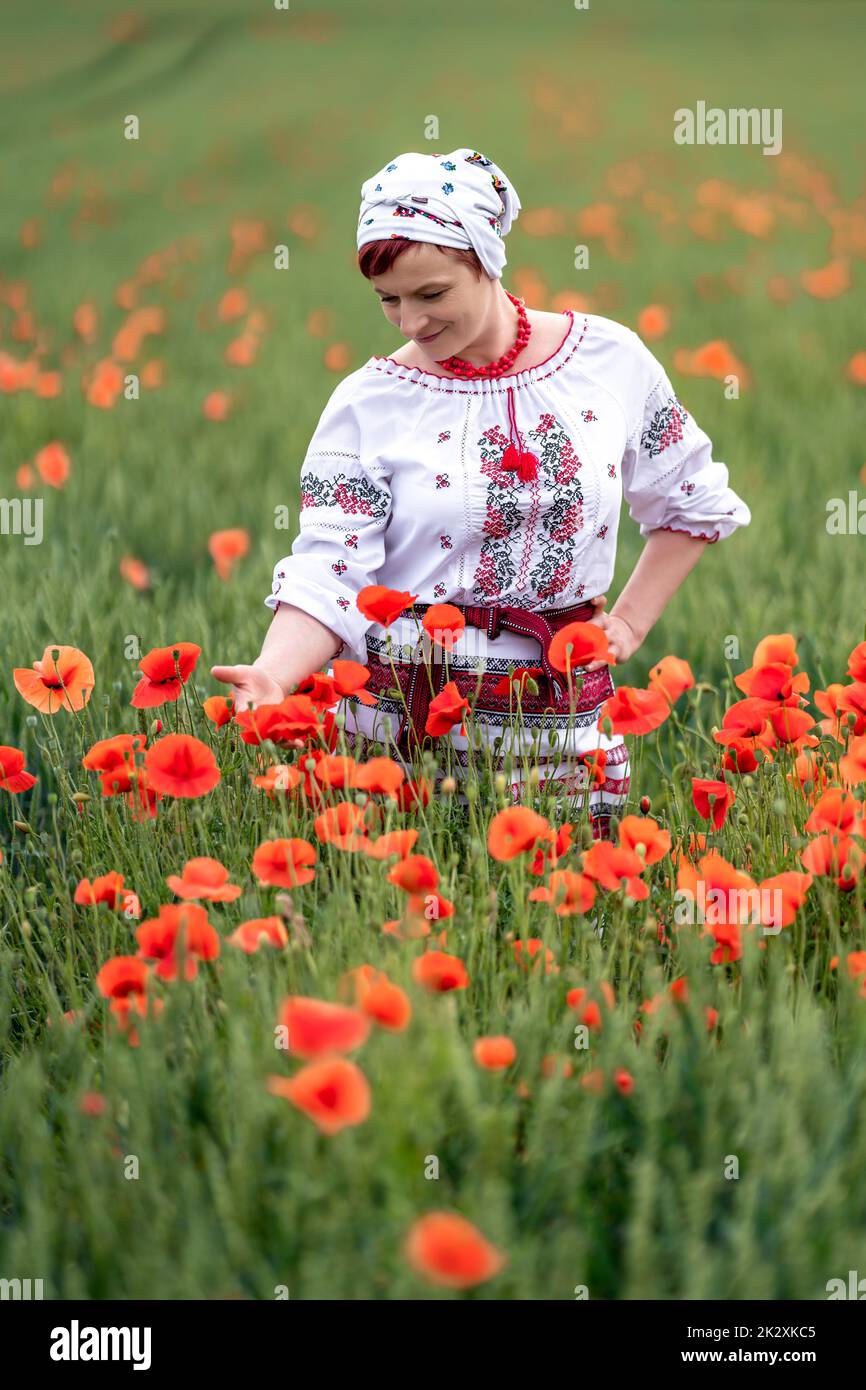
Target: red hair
{"x":377,"y":257}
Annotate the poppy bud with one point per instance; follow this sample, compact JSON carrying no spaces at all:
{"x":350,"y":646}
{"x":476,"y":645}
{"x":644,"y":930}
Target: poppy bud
{"x":156,"y":728}
{"x":23,"y":827}
{"x":531,"y":684}
{"x":499,"y":782}
{"x":79,"y":797}
{"x":645,"y":804}
{"x":448,"y":786}
{"x":607,"y":726}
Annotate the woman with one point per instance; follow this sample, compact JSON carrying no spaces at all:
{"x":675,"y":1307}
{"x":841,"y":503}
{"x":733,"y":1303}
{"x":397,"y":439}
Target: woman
{"x":483,"y":465}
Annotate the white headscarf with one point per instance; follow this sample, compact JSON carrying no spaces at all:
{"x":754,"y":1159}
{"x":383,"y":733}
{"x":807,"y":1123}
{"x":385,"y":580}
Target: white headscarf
{"x":456,"y":199}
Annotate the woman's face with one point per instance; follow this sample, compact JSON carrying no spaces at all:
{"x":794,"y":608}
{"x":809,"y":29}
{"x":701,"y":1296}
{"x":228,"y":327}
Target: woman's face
{"x":434,"y":300}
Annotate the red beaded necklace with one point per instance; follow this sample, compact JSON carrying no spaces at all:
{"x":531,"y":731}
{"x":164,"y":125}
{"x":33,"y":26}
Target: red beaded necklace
{"x":458,"y":366}
{"x":515,"y":459}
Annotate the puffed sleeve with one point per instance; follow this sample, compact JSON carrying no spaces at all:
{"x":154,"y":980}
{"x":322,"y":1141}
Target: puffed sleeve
{"x":344,"y":509}
{"x":670,"y":479}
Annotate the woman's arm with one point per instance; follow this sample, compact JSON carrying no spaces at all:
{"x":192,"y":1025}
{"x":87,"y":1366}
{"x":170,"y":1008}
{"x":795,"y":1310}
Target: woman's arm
{"x":295,"y":645}
{"x":666,"y":559}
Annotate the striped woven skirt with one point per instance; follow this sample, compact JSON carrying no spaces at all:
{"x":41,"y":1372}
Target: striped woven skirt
{"x":553,"y":745}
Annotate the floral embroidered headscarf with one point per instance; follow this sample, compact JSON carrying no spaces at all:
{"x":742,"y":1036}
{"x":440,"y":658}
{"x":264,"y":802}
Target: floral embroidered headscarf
{"x":457,"y":199}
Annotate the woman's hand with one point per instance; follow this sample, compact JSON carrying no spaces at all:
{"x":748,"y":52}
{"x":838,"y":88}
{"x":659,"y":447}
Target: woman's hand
{"x":622,"y":640}
{"x":251,"y":685}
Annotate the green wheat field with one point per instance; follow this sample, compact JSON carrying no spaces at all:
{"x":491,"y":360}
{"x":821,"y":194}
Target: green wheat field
{"x":703,"y":1142}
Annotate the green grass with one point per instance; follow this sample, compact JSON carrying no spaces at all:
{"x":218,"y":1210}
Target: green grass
{"x":248,"y":112}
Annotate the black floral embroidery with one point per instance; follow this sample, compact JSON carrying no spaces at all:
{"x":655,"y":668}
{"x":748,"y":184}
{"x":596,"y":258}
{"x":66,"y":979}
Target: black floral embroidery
{"x":665,"y":428}
{"x":354,"y":496}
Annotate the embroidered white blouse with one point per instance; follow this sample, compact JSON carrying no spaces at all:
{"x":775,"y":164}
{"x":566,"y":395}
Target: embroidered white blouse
{"x":402,"y":483}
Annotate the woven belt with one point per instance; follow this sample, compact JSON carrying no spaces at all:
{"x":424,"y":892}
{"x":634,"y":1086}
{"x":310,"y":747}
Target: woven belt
{"x":495,"y":619}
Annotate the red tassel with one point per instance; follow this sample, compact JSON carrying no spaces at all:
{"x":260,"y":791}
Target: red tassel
{"x":527,"y":468}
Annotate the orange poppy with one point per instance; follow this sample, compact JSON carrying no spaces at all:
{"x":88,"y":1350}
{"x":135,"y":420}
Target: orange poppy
{"x":653,"y":321}
{"x":380,"y":775}
{"x":834,"y":856}
{"x":624,"y":1081}
{"x":447,"y":708}
{"x":494,"y":1053}
{"x":514,"y":831}
{"x":13,"y":778}
{"x":226,"y":548}
{"x":634,"y":711}
{"x":333,"y":1093}
{"x":219,"y":709}
{"x":587,"y":1004}
{"x":439,"y":973}
{"x":108,"y":888}
{"x":317,"y":1028}
{"x":416,"y":874}
{"x":443,"y":624}
{"x":121,"y":976}
{"x":280,"y":777}
{"x":165,"y":671}
{"x":342,"y":825}
{"x":837,"y":811}
{"x":567,"y":892}
{"x":643,"y":833}
{"x":852,"y":764}
{"x":672,"y":677}
{"x":52,"y":464}
{"x":62,"y":679}
{"x":216,"y":406}
{"x":857,"y":662}
{"x":414,"y":795}
{"x":259,"y":931}
{"x":284,"y":863}
{"x":181,"y":765}
{"x":204,"y":878}
{"x":295,"y":717}
{"x":615,"y":867}
{"x":383,"y":605}
{"x":587,"y":641}
{"x":399,"y":842}
{"x":386,"y":1004}
{"x":135,"y":572}
{"x":447,"y":1249}
{"x":782,"y":896}
{"x":179,"y":929}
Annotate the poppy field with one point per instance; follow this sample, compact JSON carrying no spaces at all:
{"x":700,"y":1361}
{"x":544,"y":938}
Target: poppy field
{"x":277,"y":1022}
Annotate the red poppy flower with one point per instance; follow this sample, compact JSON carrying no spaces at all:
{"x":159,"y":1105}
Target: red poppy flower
{"x":415,"y":874}
{"x":386,"y":1004}
{"x":447,"y":1249}
{"x":712,"y":799}
{"x":284,"y":863}
{"x":350,"y":678}
{"x":342,"y":825}
{"x":204,"y":878}
{"x":642,"y":833}
{"x":567,"y":892}
{"x":226,"y":548}
{"x":514,"y":831}
{"x":257,"y":932}
{"x":383,"y":605}
{"x":107,"y":889}
{"x":837,"y":811}
{"x":122,"y":975}
{"x":317,"y":1028}
{"x":616,"y":867}
{"x":334,"y":1093}
{"x":13,"y":778}
{"x":494,"y":1053}
{"x":634,"y":711}
{"x":588,"y":642}
{"x":63,"y":679}
{"x":447,"y":708}
{"x":161,"y":681}
{"x":439,"y":973}
{"x":181,"y":765}
{"x":293,"y":718}
{"x":180,"y":929}
{"x":444,"y":624}
{"x":671,"y":677}
{"x":219,"y":709}
{"x":380,"y":775}
{"x":852,"y":764}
